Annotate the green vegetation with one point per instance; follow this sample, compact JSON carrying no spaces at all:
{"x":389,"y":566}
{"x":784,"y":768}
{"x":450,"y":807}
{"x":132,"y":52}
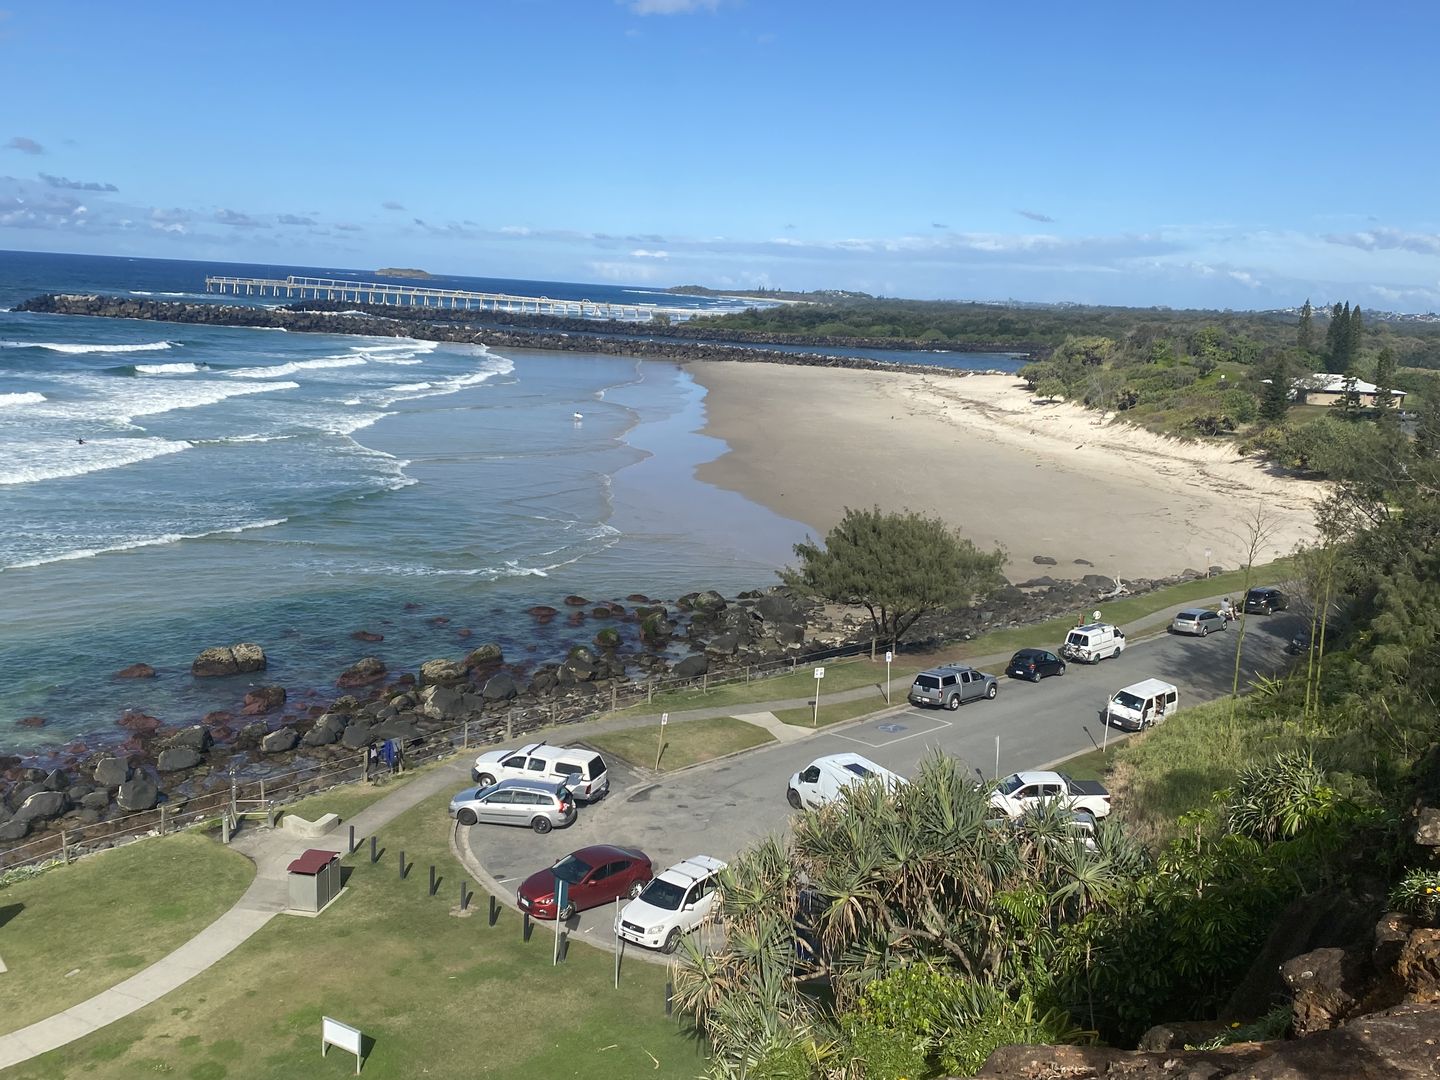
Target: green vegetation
{"x":75,"y":930}
{"x":415,"y":978}
{"x":837,"y":711}
{"x":687,"y":743}
{"x":896,"y":566}
{"x":799,"y":684}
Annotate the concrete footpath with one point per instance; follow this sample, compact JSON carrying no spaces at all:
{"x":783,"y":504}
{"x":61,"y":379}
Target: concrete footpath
{"x":272,"y":851}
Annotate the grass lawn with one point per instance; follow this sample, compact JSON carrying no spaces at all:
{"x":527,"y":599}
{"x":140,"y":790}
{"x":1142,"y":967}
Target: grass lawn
{"x":833,"y":713}
{"x":76,"y":930}
{"x":347,"y":800}
{"x":839,"y":675}
{"x":686,"y":743}
{"x":440,"y":996}
{"x":1094,"y":765}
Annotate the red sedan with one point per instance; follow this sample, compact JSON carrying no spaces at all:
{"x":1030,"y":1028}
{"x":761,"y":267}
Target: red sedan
{"x":595,"y":875}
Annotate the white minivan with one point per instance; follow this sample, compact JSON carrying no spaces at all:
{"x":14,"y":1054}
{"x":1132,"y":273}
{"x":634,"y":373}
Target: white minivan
{"x":1093,"y":642}
{"x":825,"y":778}
{"x":541,"y":761}
{"x":1142,"y":704}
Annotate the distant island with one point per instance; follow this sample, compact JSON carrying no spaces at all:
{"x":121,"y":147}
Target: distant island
{"x":763,"y":292}
{"x":402,"y":271}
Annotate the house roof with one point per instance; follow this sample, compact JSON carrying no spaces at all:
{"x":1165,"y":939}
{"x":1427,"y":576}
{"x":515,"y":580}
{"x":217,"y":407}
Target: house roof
{"x":1324,"y":383}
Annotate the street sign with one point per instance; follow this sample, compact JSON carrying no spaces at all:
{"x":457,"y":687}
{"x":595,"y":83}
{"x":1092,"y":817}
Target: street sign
{"x":889,"y":656}
{"x":664,"y":718}
{"x":819,"y":673}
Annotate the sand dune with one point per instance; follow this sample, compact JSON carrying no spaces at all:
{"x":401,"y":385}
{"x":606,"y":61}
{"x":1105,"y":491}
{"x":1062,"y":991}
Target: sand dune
{"x":1050,"y":480}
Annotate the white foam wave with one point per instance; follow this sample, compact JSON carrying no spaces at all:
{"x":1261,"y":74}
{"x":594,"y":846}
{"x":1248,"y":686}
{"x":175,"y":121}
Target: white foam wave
{"x":406,"y":346}
{"x":169,"y":369}
{"x":131,"y":545}
{"x":121,"y":400}
{"x":75,"y":348}
{"x":30,"y":397}
{"x":297,"y":366}
{"x":494,"y":365}
{"x":54,"y":459}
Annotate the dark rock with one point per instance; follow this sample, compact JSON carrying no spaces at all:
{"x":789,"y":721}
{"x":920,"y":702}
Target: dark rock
{"x":1426,"y":829}
{"x":1177,"y":1036}
{"x":1326,"y":984}
{"x":31,"y":721}
{"x":575,"y":601}
{"x":77,"y":792}
{"x":542,"y":614}
{"x":96,"y":800}
{"x":136,"y":671}
{"x":356,"y":736}
{"x":396,"y":728}
{"x":138,"y":794}
{"x":178,"y":759}
{"x":86,"y":816}
{"x":139,"y":723}
{"x":656,"y":629}
{"x":250,"y":736}
{"x":55,"y":780}
{"x":500,"y":687}
{"x":708,"y":601}
{"x":542,"y":681}
{"x":439,"y":620}
{"x":234,"y":660}
{"x":262,"y":699}
{"x":1038,"y":583}
{"x":1190,"y":575}
{"x":111,"y":772}
{"x":602,"y":611}
{"x":192,"y":738}
{"x":1097,"y":581}
{"x":363,"y":672}
{"x":42,"y":806}
{"x":726,"y":644}
{"x":279,"y":741}
{"x":1083,"y":562}
{"x":638,"y":598}
{"x":441,"y":703}
{"x":218,"y":718}
{"x":789,"y":633}
{"x":321,"y":735}
{"x":367,"y":635}
{"x":15,"y":829}
{"x":346,"y":704}
{"x":485,"y":655}
{"x":1042,"y":560}
{"x":777,"y":607}
{"x":607,"y":638}
{"x":464,"y":632}
{"x":692,"y":667}
{"x":1418,"y":966}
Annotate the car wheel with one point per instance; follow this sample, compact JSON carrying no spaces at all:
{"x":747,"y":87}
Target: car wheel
{"x":793,"y":797}
{"x":485,"y":780}
{"x":1204,"y":630}
{"x":672,"y":941}
{"x":953,"y":702}
{"x":636,"y":889}
{"x":992,"y":689}
{"x":1060,"y":670}
{"x":565,"y":912}
{"x":466,"y":817}
{"x":541,"y":825}
{"x":1035,"y":677}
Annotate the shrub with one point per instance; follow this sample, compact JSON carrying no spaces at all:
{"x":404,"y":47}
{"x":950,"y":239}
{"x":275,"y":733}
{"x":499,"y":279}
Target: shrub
{"x":1418,"y":894}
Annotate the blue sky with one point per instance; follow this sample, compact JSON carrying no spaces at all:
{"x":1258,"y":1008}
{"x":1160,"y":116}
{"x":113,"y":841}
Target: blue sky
{"x":1230,"y":155}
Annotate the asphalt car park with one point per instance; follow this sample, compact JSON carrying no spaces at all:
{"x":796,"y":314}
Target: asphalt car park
{"x":720,"y":808}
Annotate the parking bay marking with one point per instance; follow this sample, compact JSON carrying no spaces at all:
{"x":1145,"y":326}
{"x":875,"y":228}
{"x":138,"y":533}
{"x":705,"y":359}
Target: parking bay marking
{"x":938,"y":723}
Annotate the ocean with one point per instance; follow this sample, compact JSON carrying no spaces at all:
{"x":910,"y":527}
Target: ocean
{"x":167,"y":487}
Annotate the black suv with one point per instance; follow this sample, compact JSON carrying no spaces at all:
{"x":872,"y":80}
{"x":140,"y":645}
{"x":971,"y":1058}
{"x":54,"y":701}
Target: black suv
{"x":1265,"y":600}
{"x":1034,"y":664}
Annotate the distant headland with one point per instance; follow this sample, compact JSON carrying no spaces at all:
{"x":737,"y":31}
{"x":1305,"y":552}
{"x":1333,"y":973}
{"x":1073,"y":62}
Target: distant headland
{"x":403,"y":271}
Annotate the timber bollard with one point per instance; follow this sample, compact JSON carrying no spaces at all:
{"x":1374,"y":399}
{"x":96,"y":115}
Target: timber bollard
{"x":374,"y":855}
{"x":65,"y":846}
{"x":403,"y":868}
{"x":224,"y":828}
{"x":525,"y":926}
{"x":494,"y":910}
{"x":464,"y":897}
{"x":432,"y":879}
{"x":351,"y":850}
{"x":164,"y":818}
{"x":669,"y":998}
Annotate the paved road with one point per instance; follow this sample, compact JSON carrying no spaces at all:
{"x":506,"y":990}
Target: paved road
{"x":719,"y":809}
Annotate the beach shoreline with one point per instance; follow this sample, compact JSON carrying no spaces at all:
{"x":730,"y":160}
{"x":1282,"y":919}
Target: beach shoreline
{"x":1041,"y":481}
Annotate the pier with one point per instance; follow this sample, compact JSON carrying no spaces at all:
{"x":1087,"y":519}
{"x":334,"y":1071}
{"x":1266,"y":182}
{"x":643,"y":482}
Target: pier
{"x":374,"y":292}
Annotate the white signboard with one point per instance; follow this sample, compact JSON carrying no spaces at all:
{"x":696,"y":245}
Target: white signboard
{"x":334,"y":1033}
{"x":664,"y":718}
{"x":889,"y":656}
{"x":819,"y":673}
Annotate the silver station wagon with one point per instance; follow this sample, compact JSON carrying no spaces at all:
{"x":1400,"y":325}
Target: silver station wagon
{"x":1198,"y":621}
{"x":541,"y":804}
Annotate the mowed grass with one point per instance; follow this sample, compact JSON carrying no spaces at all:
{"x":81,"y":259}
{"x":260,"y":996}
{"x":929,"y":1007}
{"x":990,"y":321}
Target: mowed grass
{"x":439,"y":995}
{"x":832,"y":713}
{"x":839,"y":675}
{"x":347,"y":800}
{"x":75,"y":930}
{"x":687,"y":743}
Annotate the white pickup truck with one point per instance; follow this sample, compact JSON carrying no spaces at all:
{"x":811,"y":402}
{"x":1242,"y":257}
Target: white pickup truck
{"x":1020,"y":793}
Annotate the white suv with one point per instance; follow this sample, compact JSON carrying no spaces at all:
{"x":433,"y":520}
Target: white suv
{"x":540,"y":761}
{"x":672,"y":905}
{"x":825,"y":778}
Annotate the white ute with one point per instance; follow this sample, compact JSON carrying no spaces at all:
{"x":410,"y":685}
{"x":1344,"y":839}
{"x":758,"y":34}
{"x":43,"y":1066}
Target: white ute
{"x":824,"y":778}
{"x":672,"y":905}
{"x":1020,"y":793}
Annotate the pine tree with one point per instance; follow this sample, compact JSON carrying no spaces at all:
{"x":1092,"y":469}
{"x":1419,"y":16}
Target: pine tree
{"x":1333,"y":334}
{"x":1305,"y":335}
{"x":1384,"y":377}
{"x":1275,"y":394}
{"x":1355,"y":331}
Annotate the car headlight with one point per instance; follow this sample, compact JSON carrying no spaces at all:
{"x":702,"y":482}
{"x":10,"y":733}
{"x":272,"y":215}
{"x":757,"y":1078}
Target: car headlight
{"x":655,"y":929}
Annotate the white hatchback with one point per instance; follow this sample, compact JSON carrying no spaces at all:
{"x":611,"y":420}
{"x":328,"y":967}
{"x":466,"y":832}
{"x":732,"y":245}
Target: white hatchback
{"x":672,"y":905}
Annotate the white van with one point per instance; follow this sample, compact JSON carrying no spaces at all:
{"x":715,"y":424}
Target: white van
{"x":1093,"y":642}
{"x":825,"y":778}
{"x":1142,"y":704}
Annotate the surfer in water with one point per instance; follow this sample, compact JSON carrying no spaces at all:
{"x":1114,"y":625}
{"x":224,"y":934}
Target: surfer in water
{"x":80,"y":442}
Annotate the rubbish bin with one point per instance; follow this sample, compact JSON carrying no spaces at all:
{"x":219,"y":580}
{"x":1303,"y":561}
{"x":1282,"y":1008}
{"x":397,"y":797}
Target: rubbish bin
{"x":314,"y":880}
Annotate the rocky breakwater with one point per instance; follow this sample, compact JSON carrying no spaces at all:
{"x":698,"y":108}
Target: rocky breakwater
{"x":305,"y":319}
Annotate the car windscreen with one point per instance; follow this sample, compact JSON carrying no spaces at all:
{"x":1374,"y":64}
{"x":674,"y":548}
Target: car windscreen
{"x":1011,"y":784}
{"x":571,"y":869}
{"x":1128,"y":700}
{"x":663,"y":894}
{"x":927,"y":682}
{"x":1258,"y":594}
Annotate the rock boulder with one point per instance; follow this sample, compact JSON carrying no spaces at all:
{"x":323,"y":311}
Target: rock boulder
{"x":136,"y":671}
{"x":486,"y":655}
{"x":279,"y":741}
{"x":111,"y":772}
{"x":42,"y":806}
{"x":500,"y":687}
{"x":363,"y":672}
{"x":692,"y":667}
{"x":262,"y":699}
{"x":192,"y":738}
{"x":138,"y":794}
{"x":178,"y":759}
{"x":232,"y":660}
{"x":441,"y":673}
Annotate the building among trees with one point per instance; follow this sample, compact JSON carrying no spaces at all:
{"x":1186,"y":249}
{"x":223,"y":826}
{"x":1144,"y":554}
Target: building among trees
{"x":1323,"y":389}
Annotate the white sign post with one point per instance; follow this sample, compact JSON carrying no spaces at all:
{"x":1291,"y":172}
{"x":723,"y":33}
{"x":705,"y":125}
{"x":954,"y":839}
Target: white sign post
{"x":660,"y":743}
{"x":334,"y":1033}
{"x":888,"y":657}
{"x":819,"y":674}
{"x":1207,"y":562}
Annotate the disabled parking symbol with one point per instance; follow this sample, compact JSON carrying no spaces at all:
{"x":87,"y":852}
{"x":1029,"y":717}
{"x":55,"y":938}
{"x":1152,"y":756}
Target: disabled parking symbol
{"x":890,"y":729}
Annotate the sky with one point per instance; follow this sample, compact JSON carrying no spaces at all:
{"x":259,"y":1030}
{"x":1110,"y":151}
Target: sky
{"x":1232,"y":155}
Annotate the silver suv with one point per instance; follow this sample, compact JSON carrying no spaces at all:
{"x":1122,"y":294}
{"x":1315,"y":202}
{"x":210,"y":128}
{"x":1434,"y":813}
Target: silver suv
{"x":952,"y":686}
{"x":541,"y":804}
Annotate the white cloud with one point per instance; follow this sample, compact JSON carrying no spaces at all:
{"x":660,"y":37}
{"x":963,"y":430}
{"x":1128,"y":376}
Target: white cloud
{"x":1388,"y":239}
{"x":25,"y":145}
{"x":641,"y":253}
{"x":670,"y":7}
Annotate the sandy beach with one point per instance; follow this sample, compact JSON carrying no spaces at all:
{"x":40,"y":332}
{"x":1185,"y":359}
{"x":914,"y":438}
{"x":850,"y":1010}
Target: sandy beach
{"x":1048,"y":480}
